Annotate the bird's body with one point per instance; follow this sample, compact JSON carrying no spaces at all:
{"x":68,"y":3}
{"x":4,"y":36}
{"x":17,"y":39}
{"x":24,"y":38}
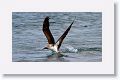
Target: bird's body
{"x":51,"y":42}
{"x":53,"y":47}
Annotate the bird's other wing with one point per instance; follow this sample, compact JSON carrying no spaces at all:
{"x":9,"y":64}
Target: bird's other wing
{"x":47,"y":31}
{"x":60,"y":40}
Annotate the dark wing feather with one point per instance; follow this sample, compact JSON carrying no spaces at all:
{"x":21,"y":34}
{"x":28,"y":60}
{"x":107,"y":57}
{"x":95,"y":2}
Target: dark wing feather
{"x":47,"y":32}
{"x":60,"y":40}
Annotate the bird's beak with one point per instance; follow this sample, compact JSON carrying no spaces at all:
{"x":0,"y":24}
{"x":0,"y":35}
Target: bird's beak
{"x":44,"y":48}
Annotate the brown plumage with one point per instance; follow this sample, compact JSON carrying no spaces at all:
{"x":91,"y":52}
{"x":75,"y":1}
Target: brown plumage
{"x":60,"y":40}
{"x":51,"y":42}
{"x":47,"y":32}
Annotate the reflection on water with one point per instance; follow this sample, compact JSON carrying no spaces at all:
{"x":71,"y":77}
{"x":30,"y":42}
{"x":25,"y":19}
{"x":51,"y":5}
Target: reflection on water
{"x":83,"y":43}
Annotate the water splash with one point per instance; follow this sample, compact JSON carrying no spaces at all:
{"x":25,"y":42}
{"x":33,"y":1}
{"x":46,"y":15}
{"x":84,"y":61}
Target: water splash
{"x":70,"y":48}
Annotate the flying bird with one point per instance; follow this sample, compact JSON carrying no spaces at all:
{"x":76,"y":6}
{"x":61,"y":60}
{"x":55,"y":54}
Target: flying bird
{"x":52,"y":45}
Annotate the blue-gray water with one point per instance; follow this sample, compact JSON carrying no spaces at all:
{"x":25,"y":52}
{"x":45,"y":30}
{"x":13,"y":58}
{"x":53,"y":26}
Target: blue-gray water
{"x":82,"y":44}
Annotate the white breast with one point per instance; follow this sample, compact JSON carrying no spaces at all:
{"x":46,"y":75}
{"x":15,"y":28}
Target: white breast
{"x":54,"y":48}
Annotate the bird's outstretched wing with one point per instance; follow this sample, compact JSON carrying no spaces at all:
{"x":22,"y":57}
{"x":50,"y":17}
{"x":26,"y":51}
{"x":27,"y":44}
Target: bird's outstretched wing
{"x":60,"y":40}
{"x":47,"y":32}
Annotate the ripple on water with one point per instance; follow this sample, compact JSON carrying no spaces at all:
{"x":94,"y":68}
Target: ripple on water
{"x":84,"y":44}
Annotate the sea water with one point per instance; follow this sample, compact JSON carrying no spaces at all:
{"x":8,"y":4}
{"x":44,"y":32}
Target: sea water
{"x":82,"y":44}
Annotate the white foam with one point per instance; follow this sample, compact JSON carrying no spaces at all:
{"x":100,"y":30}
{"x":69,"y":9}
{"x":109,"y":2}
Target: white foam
{"x":71,"y":48}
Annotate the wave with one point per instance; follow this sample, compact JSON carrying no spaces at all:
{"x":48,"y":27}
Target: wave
{"x":77,"y":50}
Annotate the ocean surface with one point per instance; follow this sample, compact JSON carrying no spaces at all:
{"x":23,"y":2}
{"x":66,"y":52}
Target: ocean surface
{"x":82,"y":44}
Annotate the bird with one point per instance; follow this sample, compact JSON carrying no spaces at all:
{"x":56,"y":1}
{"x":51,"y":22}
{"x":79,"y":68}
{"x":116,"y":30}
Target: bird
{"x":52,"y":45}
